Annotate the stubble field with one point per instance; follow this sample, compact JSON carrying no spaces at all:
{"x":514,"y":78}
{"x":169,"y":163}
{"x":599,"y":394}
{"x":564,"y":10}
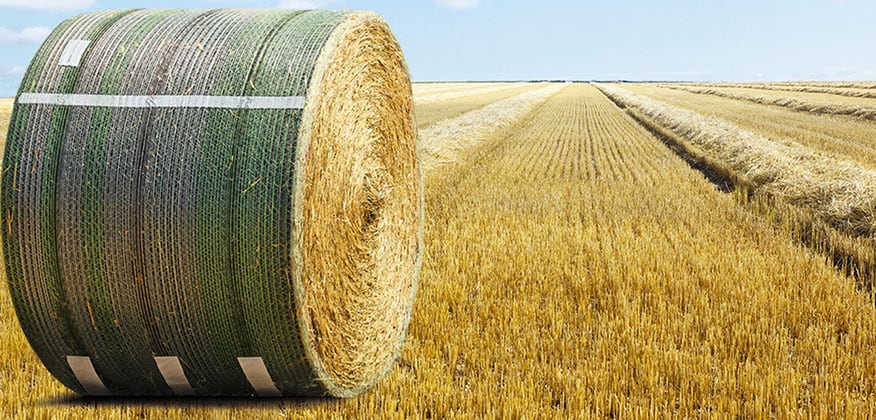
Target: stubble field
{"x":609,"y":250}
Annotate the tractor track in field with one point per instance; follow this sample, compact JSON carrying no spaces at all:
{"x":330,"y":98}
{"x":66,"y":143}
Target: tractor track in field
{"x":722,"y":181}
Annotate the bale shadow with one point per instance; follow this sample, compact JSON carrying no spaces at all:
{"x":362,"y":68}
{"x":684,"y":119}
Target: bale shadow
{"x":234,"y":402}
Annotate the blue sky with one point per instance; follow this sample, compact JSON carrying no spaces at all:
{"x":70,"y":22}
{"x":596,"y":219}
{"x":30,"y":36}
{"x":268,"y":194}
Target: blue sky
{"x":522,"y":39}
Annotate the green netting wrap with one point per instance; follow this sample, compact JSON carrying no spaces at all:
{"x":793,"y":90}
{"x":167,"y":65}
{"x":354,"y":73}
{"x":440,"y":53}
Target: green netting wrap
{"x":214,"y":202}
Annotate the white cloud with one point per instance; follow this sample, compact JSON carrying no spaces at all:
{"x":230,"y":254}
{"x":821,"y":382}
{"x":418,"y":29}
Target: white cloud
{"x":845,"y":73}
{"x":301,"y":4}
{"x":10,"y":78}
{"x":47,"y":5}
{"x":850,"y":73}
{"x":33,"y":35}
{"x":11,"y":72}
{"x":456,"y":4}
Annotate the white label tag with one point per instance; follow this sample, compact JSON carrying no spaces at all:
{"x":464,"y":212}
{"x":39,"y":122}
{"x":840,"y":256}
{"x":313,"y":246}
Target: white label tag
{"x":257,"y":374}
{"x":173,"y":374}
{"x":72,"y":54}
{"x":86,"y":375}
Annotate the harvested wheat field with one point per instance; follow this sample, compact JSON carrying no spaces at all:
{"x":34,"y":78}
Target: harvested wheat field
{"x":605,"y":250}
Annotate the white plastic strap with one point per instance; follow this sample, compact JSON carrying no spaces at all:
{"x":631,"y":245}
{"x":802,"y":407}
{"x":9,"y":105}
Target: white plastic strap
{"x":258,"y":376}
{"x":72,"y":53}
{"x":173,"y":374}
{"x":86,"y":375}
{"x":164,"y":101}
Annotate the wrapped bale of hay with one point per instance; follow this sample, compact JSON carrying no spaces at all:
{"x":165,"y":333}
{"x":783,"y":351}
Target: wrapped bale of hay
{"x":214,"y":202}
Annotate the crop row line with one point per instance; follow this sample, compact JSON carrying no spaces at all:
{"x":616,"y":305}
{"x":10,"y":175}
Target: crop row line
{"x":840,"y":192}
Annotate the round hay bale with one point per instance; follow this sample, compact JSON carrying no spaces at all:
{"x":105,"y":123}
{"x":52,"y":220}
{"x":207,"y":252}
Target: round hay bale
{"x":214,"y":202}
